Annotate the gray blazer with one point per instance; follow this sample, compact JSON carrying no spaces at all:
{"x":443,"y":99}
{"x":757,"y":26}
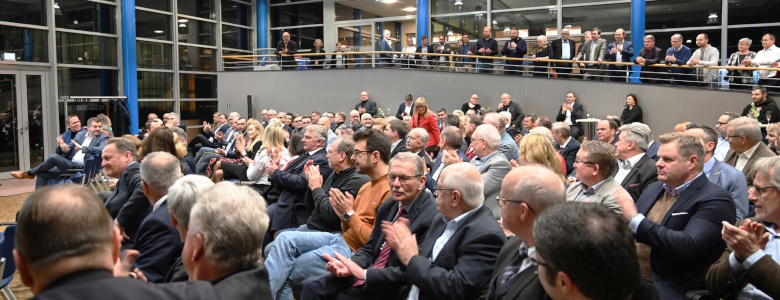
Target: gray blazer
{"x":750,"y":173}
{"x":493,"y":172}
{"x":605,"y":194}
{"x":600,"y":50}
{"x":733,"y":181}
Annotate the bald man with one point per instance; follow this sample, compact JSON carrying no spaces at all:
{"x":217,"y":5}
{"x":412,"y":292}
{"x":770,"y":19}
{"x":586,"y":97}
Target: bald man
{"x":287,"y":49}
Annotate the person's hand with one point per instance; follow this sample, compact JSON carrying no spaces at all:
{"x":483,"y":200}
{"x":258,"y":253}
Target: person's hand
{"x":514,"y":163}
{"x":313,"y":175}
{"x":613,"y":51}
{"x":512,"y":45}
{"x":76,"y":145}
{"x":469,"y":53}
{"x":671,"y":58}
{"x":340,"y":202}
{"x":747,"y":62}
{"x":640,"y":60}
{"x":518,"y":139}
{"x":743,"y":240}
{"x":61,"y":141}
{"x":506,"y":231}
{"x":140,"y":275}
{"x":574,"y":61}
{"x":450,"y":157}
{"x":112,"y":183}
{"x":776,"y":65}
{"x":352,"y":268}
{"x":271,"y":167}
{"x":582,"y":65}
{"x":124,"y":265}
{"x":219,"y":135}
{"x":122,"y":233}
{"x":481,"y":50}
{"x":247,"y":161}
{"x":336,"y":267}
{"x":571,"y":180}
{"x":693,"y":61}
{"x":500,"y":105}
{"x":599,"y":61}
{"x":533,"y":56}
{"x":206,"y":126}
{"x":623,"y":198}
{"x":220,"y":151}
{"x":361,"y":110}
{"x":488,"y":51}
{"x":565,"y":107}
{"x":401,"y":239}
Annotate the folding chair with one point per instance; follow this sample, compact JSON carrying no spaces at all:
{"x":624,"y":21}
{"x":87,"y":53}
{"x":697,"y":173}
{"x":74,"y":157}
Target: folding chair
{"x":6,"y":251}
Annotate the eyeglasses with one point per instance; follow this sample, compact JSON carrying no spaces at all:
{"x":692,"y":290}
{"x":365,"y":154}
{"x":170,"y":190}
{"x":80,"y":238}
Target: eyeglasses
{"x":761,"y":190}
{"x":357,"y":153}
{"x":719,"y":123}
{"x":502,"y":202}
{"x":401,"y":178}
{"x":578,"y":161}
{"x":437,"y":191}
{"x":537,"y":262}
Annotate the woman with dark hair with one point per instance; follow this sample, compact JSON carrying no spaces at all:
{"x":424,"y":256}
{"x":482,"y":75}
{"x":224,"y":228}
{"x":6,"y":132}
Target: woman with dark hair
{"x":632,"y":112}
{"x":296,"y":146}
{"x":426,"y":119}
{"x":160,"y":139}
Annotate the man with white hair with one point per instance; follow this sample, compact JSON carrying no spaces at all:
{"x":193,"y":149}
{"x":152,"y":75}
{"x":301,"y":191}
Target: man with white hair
{"x":175,"y":120}
{"x":568,"y":145}
{"x":458,"y":254}
{"x":326,"y":122}
{"x":508,"y":145}
{"x":182,"y":196}
{"x":747,"y":146}
{"x":511,"y":131}
{"x":490,"y":162}
{"x":513,"y":108}
{"x":385,"y":45}
{"x":636,"y":171}
{"x":224,"y":242}
{"x":367,"y":120}
{"x":415,"y":143}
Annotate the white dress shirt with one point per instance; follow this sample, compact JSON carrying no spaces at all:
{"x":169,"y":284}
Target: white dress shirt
{"x":78,"y":158}
{"x":625,"y":167}
{"x":742,"y":158}
{"x":766,"y":58}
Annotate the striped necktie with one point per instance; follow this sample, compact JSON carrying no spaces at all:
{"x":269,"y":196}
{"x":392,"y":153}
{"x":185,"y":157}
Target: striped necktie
{"x":384,"y":254}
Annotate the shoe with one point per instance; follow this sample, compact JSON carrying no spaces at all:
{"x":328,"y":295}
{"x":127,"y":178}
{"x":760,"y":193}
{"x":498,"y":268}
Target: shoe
{"x":22,"y":175}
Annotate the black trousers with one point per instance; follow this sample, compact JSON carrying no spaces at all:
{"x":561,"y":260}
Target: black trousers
{"x":618,"y":73}
{"x":563,"y":69}
{"x":203,"y":141}
{"x":331,"y":287}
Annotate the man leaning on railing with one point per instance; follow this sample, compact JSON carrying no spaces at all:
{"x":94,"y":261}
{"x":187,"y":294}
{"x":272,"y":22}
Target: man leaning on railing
{"x":289,"y":49}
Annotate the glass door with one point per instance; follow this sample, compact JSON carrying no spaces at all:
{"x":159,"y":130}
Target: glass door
{"x":358,"y":38}
{"x":21,"y":120}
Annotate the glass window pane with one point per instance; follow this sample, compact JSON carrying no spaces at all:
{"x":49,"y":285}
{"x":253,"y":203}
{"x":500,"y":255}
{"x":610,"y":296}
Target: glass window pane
{"x":82,"y":49}
{"x":606,"y":17}
{"x":164,"y":5}
{"x":753,"y":11}
{"x":28,"y":45}
{"x":196,"y":59}
{"x":293,"y":15}
{"x":25,"y":12}
{"x":87,"y":82}
{"x":348,"y":13}
{"x":236,"y":13}
{"x":155,"y":85}
{"x":197,"y":8}
{"x":152,"y":25}
{"x":197,"y":111}
{"x":236,"y":37}
{"x":198,"y":86}
{"x":529,"y":23}
{"x":755,"y":34}
{"x":85,"y":15}
{"x":508,"y":4}
{"x":154,"y":55}
{"x":157,"y":107}
{"x":663,"y":14}
{"x":303,"y":36}
{"x":196,"y":32}
{"x":471,"y":24}
{"x":446,"y":6}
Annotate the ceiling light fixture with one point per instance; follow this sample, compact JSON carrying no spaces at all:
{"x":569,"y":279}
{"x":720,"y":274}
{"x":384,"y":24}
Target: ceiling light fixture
{"x":56,"y":5}
{"x":449,"y":33}
{"x":410,"y":9}
{"x":389,"y":1}
{"x":183,"y":20}
{"x":182,"y":25}
{"x":158,"y":31}
{"x":458,"y":3}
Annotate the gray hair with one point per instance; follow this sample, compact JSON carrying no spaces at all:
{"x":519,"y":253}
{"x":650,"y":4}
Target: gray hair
{"x":747,"y":127}
{"x":232,"y":227}
{"x":179,"y":132}
{"x":650,"y":37}
{"x":638,"y":134}
{"x":472,"y":190}
{"x":746,"y":41}
{"x":677,"y":36}
{"x":563,"y":128}
{"x":535,"y":190}
{"x":123,"y":145}
{"x":490,"y":134}
{"x":346,"y":145}
{"x":506,"y":115}
{"x":423,"y":134}
{"x":173,"y":114}
{"x":320,"y":132}
{"x":496,"y":120}
{"x":159,"y":170}
{"x":412,"y":158}
{"x":183,"y":195}
{"x":541,"y":38}
{"x":769,"y":167}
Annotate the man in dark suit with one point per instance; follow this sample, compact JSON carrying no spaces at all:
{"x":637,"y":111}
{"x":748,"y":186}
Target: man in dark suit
{"x":397,"y":131}
{"x":231,"y":261}
{"x":175,"y":119}
{"x":619,"y":51}
{"x":158,"y":242}
{"x":514,"y":275}
{"x":570,"y":112}
{"x":468,"y":48}
{"x":58,"y":264}
{"x":635,"y":170}
{"x":649,"y":55}
{"x":515,"y":47}
{"x":442,"y":62}
{"x":745,"y":137}
{"x":127,"y":205}
{"x":461,"y":245}
{"x":406,"y":108}
{"x":365,"y":105}
{"x":289,"y":49}
{"x":513,"y":108}
{"x":375,"y":270}
{"x":450,"y":144}
{"x":68,"y":156}
{"x":291,"y":183}
{"x":385,"y":45}
{"x":425,"y":61}
{"x":563,"y":48}
{"x":569,"y":145}
{"x":684,"y":208}
{"x":415,"y":143}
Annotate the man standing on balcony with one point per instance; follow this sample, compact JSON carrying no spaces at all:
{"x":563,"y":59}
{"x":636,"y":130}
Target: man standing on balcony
{"x":593,"y":50}
{"x":649,"y":55}
{"x":486,"y":46}
{"x":706,"y":55}
{"x":467,"y":49}
{"x":563,"y":48}
{"x":516,"y":47}
{"x":619,"y":51}
{"x":769,"y":57}
{"x":425,"y":61}
{"x":679,"y":54}
{"x":386,"y":59}
{"x":289,"y":48}
{"x":443,"y":62}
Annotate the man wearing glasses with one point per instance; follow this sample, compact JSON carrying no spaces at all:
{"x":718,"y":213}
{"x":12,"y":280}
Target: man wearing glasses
{"x":723,"y":142}
{"x":375,"y":272}
{"x":491,"y":163}
{"x":455,"y":260}
{"x":595,"y":164}
{"x":746,"y":144}
{"x":525,"y":193}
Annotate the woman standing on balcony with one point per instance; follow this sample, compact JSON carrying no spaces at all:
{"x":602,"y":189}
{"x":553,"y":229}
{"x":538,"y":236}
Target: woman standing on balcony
{"x":317,"y":61}
{"x":744,"y":78}
{"x":541,"y":55}
{"x":426,"y":119}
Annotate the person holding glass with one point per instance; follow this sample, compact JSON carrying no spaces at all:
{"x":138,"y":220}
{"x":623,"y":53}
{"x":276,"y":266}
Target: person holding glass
{"x":762,"y":108}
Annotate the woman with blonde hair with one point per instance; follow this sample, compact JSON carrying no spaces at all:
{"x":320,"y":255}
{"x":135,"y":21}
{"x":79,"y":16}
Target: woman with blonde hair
{"x":273,"y":150}
{"x":235,"y":168}
{"x":317,"y":61}
{"x":537,"y":149}
{"x":424,"y":118}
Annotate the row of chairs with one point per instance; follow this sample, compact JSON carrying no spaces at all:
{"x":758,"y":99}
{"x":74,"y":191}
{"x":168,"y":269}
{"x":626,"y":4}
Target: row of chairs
{"x":7,"y":263}
{"x":91,"y":175}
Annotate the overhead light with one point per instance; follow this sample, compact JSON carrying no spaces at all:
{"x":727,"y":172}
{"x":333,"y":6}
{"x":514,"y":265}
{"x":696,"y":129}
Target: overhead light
{"x":553,"y":11}
{"x":56,"y":5}
{"x":495,"y":22}
{"x":713,"y":18}
{"x":183,"y":20}
{"x":458,"y":3}
{"x":182,"y":25}
{"x":75,"y":22}
{"x":389,"y":1}
{"x":410,"y":9}
{"x":449,"y":33}
{"x":158,"y":31}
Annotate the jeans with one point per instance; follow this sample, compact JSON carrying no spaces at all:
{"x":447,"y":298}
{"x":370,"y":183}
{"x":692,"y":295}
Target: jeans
{"x":298,"y":255}
{"x":486,"y":68}
{"x":50,"y":169}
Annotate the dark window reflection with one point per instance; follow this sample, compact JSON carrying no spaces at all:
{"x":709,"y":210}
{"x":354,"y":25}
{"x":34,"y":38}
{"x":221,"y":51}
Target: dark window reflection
{"x":82,"y":49}
{"x":197,"y":110}
{"x":87,"y":82}
{"x":164,"y":5}
{"x":236,"y":13}
{"x":198,"y":86}
{"x":25,"y":12}
{"x":293,"y":15}
{"x":154,"y":55}
{"x":155,"y":85}
{"x":152,"y":25}
{"x":196,"y":32}
{"x":84,"y":15}
{"x":197,"y":59}
{"x":28,"y":45}
{"x":197,"y":8}
{"x":236,"y":37}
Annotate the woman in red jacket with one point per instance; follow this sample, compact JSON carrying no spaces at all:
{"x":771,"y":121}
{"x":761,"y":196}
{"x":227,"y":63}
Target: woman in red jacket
{"x":426,"y":119}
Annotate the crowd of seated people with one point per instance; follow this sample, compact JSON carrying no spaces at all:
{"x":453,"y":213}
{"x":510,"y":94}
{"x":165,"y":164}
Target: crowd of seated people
{"x":467,"y":205}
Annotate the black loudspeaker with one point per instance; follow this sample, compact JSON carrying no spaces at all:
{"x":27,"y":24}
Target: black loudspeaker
{"x":249,"y":106}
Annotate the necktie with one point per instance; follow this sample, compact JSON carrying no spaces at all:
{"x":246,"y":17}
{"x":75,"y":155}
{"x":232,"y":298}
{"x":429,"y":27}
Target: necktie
{"x":513,"y":268}
{"x":470,"y":153}
{"x":560,"y":150}
{"x":384,"y":254}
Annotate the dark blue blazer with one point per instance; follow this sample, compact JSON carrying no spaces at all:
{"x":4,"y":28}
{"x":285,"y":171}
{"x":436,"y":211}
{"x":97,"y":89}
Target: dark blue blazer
{"x":94,"y":148}
{"x":292,"y":184}
{"x":401,"y":109}
{"x":68,"y":135}
{"x":159,"y":244}
{"x":128,"y":204}
{"x":569,"y":154}
{"x":463,"y":267}
{"x":652,"y":151}
{"x":430,"y":183}
{"x":688,"y":240}
{"x":385,"y":58}
{"x":627,"y":53}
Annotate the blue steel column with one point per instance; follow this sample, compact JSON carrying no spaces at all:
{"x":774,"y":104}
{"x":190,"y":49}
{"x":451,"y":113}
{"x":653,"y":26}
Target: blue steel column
{"x":262,"y":23}
{"x":637,"y":33}
{"x":129,"y":68}
{"x":423,"y":17}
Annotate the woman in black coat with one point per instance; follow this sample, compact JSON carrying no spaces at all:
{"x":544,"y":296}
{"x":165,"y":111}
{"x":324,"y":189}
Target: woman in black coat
{"x":632,"y":112}
{"x":317,"y":61}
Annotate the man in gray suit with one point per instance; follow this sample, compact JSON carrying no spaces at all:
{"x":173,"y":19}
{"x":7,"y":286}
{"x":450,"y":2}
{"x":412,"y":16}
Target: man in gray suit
{"x":491,"y":163}
{"x":721,"y":174}
{"x":593,"y":50}
{"x":595,"y":164}
{"x":747,"y":147}
{"x":508,"y":145}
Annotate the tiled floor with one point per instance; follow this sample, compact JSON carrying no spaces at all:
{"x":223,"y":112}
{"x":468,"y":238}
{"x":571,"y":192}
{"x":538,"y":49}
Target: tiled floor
{"x":10,"y":187}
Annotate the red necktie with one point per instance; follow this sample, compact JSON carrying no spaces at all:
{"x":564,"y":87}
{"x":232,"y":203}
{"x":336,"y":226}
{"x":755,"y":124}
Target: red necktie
{"x":470,"y":152}
{"x":384,"y":254}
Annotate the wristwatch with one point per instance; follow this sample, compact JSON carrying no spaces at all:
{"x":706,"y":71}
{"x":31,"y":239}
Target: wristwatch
{"x":347,"y":215}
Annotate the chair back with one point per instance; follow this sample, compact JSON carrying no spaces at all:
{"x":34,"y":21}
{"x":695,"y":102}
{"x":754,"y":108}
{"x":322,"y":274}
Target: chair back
{"x":90,"y":165}
{"x":7,"y":251}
